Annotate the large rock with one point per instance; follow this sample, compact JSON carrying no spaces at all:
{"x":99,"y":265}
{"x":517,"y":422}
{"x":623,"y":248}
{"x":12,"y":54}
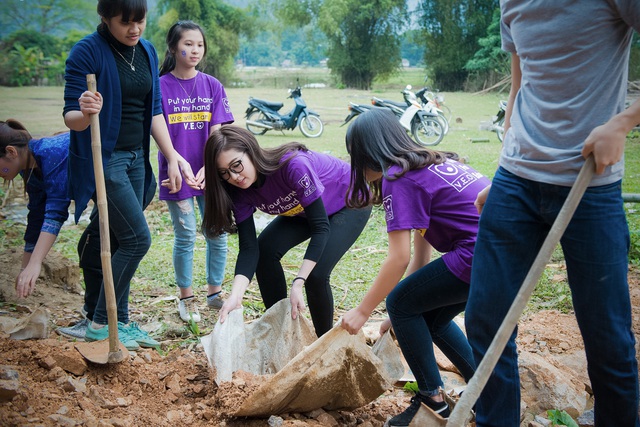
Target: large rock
{"x":545,"y":386}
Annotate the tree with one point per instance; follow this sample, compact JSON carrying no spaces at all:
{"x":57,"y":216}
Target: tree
{"x":490,"y":61}
{"x":363,"y":37}
{"x":52,"y":17}
{"x":452,"y":29}
{"x":222,"y":24}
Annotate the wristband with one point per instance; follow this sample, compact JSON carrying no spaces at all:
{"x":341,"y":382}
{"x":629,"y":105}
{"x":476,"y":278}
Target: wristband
{"x":299,"y":278}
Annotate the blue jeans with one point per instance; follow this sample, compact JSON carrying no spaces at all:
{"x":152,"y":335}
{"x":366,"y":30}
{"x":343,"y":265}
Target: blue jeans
{"x":124,"y":182}
{"x":514,"y":223}
{"x":421,"y":308}
{"x":185,"y":227}
{"x":89,"y":254}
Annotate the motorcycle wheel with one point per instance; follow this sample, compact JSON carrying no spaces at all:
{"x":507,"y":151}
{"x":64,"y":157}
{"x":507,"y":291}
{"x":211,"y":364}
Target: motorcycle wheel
{"x":446,"y":111}
{"x":257,"y":116}
{"x":444,"y":122}
{"x":500,"y":129}
{"x":311,"y":126}
{"x":427,"y":131}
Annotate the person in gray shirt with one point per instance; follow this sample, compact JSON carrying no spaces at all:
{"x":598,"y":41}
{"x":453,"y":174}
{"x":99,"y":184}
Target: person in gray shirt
{"x":569,"y":63}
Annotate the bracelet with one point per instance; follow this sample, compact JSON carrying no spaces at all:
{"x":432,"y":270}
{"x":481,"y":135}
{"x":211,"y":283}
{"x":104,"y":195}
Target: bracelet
{"x":299,"y":278}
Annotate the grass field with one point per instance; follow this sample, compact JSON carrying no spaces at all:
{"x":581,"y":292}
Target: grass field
{"x":40,"y":110}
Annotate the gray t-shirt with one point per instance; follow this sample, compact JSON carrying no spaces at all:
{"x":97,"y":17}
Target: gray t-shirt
{"x":574,"y":57}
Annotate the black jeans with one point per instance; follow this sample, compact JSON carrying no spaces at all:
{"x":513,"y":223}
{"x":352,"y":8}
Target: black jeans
{"x":284,"y":233}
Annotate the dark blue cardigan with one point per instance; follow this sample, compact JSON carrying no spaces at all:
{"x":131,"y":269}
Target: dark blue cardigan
{"x":93,"y":55}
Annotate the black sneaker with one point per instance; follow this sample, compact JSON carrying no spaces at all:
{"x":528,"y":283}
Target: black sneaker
{"x":403,"y":419}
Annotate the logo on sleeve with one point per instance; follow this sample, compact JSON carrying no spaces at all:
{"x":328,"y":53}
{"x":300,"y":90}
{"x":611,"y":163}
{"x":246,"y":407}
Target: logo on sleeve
{"x":387,"y":203}
{"x":457,"y":175}
{"x":308,"y":185}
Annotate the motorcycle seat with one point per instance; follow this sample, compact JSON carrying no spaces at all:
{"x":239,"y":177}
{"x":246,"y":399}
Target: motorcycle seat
{"x":269,"y":104}
{"x":402,"y":105}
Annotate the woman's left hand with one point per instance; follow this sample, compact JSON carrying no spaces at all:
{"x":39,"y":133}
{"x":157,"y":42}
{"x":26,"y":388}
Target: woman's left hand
{"x":297,"y":301}
{"x":26,"y":280}
{"x":353,"y":320}
{"x":199,"y":180}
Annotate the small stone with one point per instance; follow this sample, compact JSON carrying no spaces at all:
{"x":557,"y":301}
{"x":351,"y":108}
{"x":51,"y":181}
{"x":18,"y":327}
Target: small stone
{"x":63,"y":421}
{"x":7,"y":373}
{"x":47,"y":363}
{"x":8,"y":390}
{"x":71,"y":361}
{"x":275,"y":421}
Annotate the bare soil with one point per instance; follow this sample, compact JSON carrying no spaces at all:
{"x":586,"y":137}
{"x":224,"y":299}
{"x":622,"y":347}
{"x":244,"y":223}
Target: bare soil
{"x":55,"y":386}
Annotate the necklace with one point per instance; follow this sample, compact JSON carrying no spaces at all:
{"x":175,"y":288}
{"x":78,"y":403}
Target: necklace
{"x":195,"y":82}
{"x":31,"y":169}
{"x":130,"y":64}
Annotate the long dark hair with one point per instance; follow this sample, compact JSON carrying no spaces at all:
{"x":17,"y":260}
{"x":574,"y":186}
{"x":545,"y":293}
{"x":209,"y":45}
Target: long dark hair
{"x":13,"y":133}
{"x":173,"y":38}
{"x":376,"y":141}
{"x":131,"y":10}
{"x":218,"y":216}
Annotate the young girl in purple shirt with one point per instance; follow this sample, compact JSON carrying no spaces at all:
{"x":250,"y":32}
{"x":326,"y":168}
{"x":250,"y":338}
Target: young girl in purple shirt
{"x":194,"y":105}
{"x":428,"y":195}
{"x":306,"y":192}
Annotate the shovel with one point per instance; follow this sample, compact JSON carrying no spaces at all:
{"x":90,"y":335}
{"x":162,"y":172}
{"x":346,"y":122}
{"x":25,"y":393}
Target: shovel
{"x":110,"y":350}
{"x":462,"y":410}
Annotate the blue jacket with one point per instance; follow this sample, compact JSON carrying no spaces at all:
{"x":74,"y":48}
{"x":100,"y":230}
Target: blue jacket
{"x":47,"y":188}
{"x":93,"y":55}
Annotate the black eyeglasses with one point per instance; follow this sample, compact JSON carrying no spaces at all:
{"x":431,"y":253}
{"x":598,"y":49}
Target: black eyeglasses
{"x":235,"y":167}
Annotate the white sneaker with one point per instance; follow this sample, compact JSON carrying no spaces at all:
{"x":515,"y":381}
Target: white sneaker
{"x":188,"y":309}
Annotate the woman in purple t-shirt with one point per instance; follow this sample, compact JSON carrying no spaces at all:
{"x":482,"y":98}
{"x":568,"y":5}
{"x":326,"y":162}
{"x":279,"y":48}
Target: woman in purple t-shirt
{"x":194,"y":104}
{"x":429,"y":195}
{"x":306,"y":192}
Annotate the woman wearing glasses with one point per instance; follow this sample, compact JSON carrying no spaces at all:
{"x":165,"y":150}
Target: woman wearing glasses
{"x":306,"y":191}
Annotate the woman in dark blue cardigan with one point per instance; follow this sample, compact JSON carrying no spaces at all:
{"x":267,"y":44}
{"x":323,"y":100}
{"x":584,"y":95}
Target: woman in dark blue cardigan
{"x":128,"y":102}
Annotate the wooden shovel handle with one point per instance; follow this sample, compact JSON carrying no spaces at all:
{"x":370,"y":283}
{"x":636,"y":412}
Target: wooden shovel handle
{"x":462,"y":409}
{"x":103,"y":215}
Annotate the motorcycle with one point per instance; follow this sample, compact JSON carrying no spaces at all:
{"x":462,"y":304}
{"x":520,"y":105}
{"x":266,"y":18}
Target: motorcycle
{"x":355,"y":110}
{"x":423,"y":124}
{"x":498,"y":122}
{"x":262,"y":116}
{"x":434,"y":103}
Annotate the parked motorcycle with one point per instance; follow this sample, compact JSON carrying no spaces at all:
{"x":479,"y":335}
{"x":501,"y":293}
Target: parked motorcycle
{"x":428,"y":102}
{"x":498,"y":123}
{"x":264,"y":115}
{"x":423,"y":124}
{"x":355,"y":110}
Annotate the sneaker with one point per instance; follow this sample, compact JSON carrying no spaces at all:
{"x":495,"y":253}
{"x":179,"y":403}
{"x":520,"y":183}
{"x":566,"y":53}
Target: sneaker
{"x":404,"y":419}
{"x":140,"y":336}
{"x":215,"y":301}
{"x":103,"y":334}
{"x":77,"y":331}
{"x":188,"y":309}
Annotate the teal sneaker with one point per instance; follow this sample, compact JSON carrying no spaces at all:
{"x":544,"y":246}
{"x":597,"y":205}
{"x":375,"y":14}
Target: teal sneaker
{"x":103,"y":333}
{"x":141,"y":336}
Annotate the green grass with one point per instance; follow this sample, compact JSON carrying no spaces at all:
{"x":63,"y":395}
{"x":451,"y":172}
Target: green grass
{"x":40,"y":110}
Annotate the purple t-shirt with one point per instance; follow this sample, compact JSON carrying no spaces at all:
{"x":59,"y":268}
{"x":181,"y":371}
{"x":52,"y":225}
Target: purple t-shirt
{"x":438,"y":202}
{"x":191,"y":107}
{"x":307,"y":177}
